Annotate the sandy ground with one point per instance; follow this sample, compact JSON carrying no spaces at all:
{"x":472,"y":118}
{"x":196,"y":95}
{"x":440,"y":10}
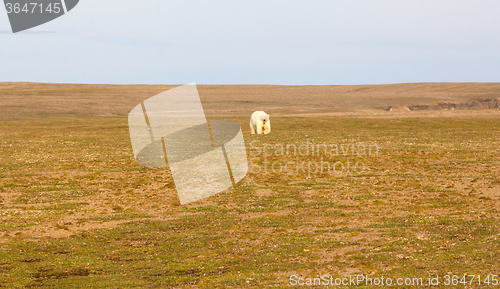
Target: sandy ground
{"x":32,"y":101}
{"x":39,"y":100}
{"x":428,"y":203}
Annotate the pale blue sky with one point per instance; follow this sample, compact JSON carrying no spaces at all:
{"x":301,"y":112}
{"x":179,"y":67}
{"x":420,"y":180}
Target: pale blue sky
{"x":259,"y":42}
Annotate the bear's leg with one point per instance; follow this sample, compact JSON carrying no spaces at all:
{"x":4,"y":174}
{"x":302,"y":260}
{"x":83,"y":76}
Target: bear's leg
{"x":252,"y":129}
{"x":266,"y":128}
{"x":259,"y":129}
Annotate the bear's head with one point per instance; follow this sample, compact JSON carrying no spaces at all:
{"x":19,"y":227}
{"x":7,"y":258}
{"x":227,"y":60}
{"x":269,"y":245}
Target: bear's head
{"x":264,"y":118}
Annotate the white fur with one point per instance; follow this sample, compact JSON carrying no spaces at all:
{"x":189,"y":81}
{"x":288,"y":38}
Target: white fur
{"x":260,"y":123}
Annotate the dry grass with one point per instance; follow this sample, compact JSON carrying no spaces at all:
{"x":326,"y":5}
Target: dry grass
{"x":38,"y":100}
{"x":77,"y":211}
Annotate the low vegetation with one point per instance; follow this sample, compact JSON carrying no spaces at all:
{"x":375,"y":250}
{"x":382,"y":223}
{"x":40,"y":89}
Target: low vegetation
{"x":77,"y":211}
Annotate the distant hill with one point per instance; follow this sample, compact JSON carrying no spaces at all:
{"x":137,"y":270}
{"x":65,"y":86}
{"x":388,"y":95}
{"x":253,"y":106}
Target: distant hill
{"x":42,"y":100}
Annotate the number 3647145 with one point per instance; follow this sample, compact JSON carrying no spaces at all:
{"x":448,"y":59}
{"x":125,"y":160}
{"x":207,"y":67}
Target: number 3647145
{"x":33,"y":8}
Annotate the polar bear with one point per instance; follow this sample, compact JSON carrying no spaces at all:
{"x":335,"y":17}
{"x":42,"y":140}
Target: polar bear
{"x":260,"y":123}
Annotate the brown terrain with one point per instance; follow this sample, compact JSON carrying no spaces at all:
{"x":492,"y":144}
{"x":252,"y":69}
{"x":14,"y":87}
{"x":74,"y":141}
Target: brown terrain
{"x":35,"y":100}
{"x":77,"y":210}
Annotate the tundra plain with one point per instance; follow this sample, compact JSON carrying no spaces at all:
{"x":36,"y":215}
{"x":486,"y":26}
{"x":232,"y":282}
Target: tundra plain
{"x":76,"y":211}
